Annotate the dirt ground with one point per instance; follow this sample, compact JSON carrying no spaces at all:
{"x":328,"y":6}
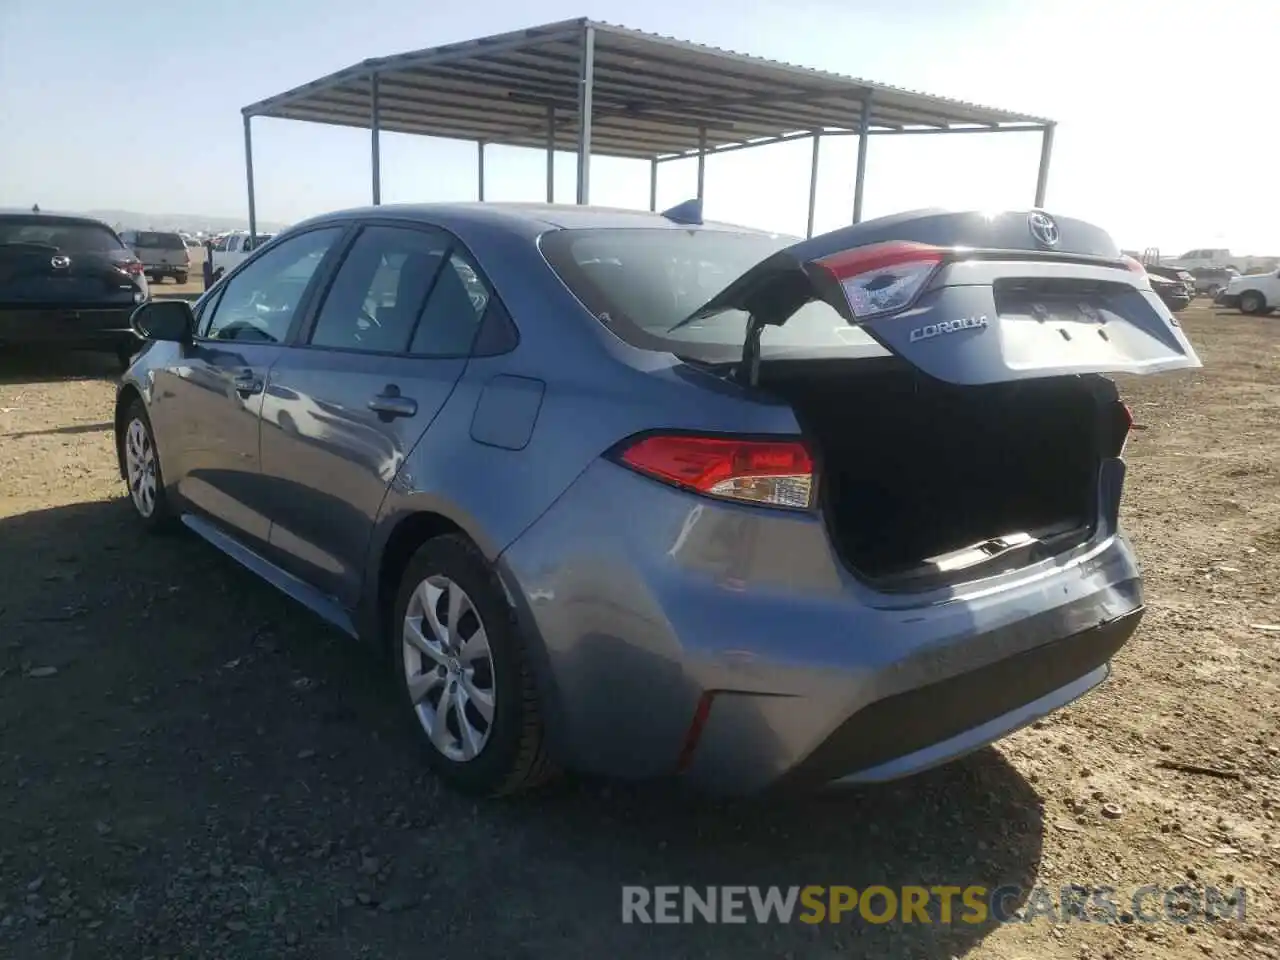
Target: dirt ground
{"x":193,"y":766}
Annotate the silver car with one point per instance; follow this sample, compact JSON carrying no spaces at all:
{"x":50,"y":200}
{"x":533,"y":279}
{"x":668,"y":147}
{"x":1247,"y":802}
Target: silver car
{"x":640,"y":495}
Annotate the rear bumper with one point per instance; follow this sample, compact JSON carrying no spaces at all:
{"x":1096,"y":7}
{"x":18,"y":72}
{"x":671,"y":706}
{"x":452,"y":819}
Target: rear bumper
{"x":85,"y":326}
{"x":938,"y":722}
{"x":728,"y":646}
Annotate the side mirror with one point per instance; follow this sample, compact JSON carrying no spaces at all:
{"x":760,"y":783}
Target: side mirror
{"x":169,"y":320}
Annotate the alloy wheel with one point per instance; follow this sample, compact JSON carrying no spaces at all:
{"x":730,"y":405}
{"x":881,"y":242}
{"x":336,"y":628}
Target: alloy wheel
{"x":448,"y":668}
{"x":140,"y":465}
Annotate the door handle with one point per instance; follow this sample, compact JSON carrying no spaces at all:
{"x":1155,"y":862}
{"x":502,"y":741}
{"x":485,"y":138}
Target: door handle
{"x":389,"y":404}
{"x":247,"y":383}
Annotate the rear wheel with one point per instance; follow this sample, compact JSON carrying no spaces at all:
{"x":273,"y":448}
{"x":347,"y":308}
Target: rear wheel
{"x":142,"y":469}
{"x":1251,"y":301}
{"x":464,"y":677}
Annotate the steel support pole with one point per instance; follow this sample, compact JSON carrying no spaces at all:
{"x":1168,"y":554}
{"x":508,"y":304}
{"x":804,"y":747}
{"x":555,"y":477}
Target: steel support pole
{"x":375,"y":121}
{"x":586,"y":88}
{"x":653,"y":184}
{"x":248,"y":175}
{"x":480,"y":170}
{"x":813,"y":181}
{"x":864,"y":139}
{"x":1046,"y":153}
{"x":551,"y":154}
{"x":702,"y":160}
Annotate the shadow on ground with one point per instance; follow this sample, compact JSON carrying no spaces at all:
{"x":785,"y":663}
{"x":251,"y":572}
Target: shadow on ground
{"x":191,"y":765}
{"x":19,"y":365}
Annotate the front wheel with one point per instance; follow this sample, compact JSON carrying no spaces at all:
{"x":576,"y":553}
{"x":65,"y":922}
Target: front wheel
{"x":463,"y":672}
{"x":142,"y":469}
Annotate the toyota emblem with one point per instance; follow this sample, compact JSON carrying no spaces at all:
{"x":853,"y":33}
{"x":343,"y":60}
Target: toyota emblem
{"x":60,"y":262}
{"x":1043,"y":228}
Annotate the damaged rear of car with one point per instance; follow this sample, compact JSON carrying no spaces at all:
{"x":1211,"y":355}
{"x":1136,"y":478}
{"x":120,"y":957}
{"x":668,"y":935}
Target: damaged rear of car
{"x":880,"y":527}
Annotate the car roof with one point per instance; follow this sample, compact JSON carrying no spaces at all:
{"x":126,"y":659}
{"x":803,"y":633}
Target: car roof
{"x":52,"y":215}
{"x":530,"y":218}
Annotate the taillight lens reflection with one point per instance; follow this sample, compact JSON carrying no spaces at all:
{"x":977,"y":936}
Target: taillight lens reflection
{"x":883,"y":278}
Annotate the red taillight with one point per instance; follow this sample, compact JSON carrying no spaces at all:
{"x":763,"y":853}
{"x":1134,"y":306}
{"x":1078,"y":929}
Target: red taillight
{"x":774,"y":472}
{"x":884,"y":277}
{"x":1121,"y":425}
{"x":877,"y":256}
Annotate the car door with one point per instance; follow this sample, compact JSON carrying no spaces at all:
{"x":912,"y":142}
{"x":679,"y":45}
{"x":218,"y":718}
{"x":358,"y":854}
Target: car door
{"x":344,"y":408}
{"x":209,"y":401}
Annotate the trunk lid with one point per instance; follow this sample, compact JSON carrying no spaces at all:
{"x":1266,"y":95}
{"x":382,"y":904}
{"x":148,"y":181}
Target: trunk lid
{"x":971,"y":298}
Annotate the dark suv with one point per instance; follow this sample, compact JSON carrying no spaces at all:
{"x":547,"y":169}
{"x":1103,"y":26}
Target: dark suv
{"x":67,"y":281}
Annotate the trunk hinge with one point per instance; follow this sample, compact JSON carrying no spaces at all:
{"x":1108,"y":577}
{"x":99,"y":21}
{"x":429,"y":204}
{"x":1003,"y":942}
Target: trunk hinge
{"x":748,"y":372}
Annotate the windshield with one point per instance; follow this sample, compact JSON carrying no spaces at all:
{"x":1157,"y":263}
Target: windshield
{"x":642,"y":282}
{"x":160,"y":241}
{"x":68,"y":236}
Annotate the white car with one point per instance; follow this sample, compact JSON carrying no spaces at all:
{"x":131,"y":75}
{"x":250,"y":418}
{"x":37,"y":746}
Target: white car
{"x":235,"y":247}
{"x":1253,"y":293}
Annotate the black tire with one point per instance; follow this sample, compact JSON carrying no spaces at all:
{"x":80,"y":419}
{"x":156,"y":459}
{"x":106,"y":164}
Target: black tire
{"x":1251,"y":301}
{"x":161,"y":517}
{"x":514,"y":757}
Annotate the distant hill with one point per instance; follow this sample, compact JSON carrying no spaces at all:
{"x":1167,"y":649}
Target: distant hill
{"x":190,"y":222}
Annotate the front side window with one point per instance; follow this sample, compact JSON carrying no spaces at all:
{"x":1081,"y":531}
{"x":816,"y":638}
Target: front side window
{"x":259,"y":302}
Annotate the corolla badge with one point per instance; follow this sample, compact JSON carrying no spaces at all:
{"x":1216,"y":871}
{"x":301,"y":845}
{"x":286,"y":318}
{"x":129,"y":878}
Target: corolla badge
{"x":931,"y":330}
{"x":1044,"y":228}
{"x":60,"y":262}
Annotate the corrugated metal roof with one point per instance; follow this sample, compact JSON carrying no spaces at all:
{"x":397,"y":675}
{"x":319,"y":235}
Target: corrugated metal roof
{"x":651,"y":95}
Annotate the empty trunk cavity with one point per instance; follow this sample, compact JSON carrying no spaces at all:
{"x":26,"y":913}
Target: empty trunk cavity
{"x":924,"y":482}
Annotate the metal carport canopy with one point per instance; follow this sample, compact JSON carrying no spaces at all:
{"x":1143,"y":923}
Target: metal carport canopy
{"x":643,"y":95}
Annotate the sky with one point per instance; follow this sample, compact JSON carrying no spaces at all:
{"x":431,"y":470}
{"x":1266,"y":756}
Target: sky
{"x":1165,"y":110}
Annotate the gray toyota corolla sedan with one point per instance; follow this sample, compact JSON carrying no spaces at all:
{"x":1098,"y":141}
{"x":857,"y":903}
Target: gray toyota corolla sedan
{"x":640,"y":495}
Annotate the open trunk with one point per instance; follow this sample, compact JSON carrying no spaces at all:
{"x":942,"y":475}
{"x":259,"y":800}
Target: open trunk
{"x":924,"y":483}
{"x":975,"y":441}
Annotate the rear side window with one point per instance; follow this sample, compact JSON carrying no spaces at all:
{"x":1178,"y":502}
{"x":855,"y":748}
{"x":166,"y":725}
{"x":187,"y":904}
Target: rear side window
{"x":65,"y":236}
{"x":403,"y":290}
{"x":380,"y":290}
{"x":452,"y":316}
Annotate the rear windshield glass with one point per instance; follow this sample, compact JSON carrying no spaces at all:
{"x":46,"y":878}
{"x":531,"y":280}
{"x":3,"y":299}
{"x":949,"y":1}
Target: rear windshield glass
{"x":68,"y":236}
{"x":642,"y":282}
{"x":160,"y":241}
